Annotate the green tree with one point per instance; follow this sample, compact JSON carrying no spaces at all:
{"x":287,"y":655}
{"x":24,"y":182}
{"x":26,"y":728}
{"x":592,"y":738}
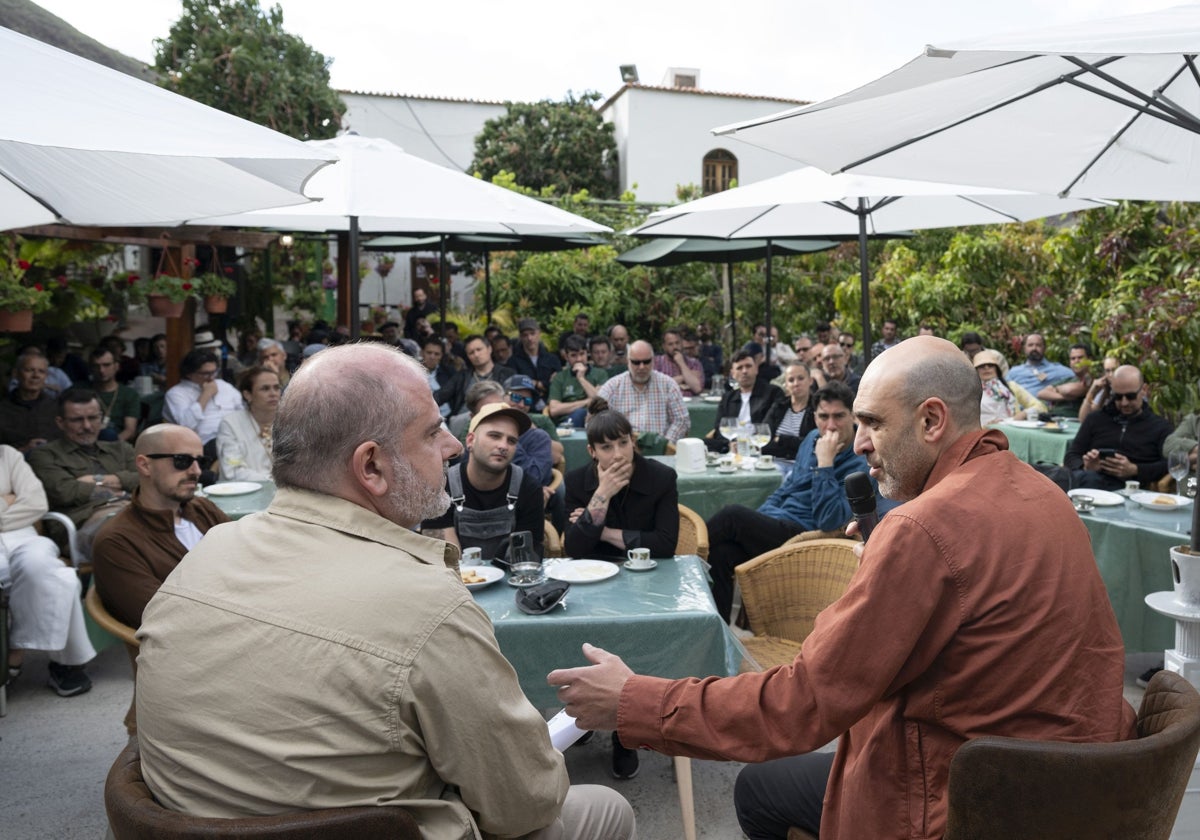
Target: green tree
{"x":563,"y":147}
{"x":234,"y":55}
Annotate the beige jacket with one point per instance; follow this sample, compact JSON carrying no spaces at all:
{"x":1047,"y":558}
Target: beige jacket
{"x":315,"y":656}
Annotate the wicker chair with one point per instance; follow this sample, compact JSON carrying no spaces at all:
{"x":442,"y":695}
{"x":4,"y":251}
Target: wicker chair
{"x":1053,"y":790}
{"x":106,"y":622}
{"x":134,"y":814}
{"x":819,"y":535}
{"x":693,"y":533}
{"x":785,"y":588}
{"x":552,"y":546}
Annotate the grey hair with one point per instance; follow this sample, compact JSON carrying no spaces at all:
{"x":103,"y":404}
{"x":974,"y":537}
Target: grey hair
{"x":334,"y":403}
{"x":268,"y":343}
{"x":481,"y":391}
{"x":950,"y":378}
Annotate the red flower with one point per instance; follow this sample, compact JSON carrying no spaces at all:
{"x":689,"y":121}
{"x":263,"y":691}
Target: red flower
{"x":39,"y":287}
{"x":187,"y":287}
{"x":133,"y":278}
{"x":23,"y":265}
{"x":62,"y":281}
{"x":229,"y":269}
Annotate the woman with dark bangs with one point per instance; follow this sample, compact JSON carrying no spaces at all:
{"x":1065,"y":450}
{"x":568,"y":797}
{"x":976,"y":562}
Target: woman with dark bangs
{"x":621,"y":500}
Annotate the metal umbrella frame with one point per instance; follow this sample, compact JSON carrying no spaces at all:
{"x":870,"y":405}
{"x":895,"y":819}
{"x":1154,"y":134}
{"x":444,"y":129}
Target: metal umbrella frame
{"x":1106,"y":109}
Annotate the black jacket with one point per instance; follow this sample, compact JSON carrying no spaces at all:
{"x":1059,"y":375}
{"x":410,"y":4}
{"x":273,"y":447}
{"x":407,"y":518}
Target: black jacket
{"x":646,"y":511}
{"x":1139,"y":438}
{"x":762,"y":396}
{"x":786,"y":446}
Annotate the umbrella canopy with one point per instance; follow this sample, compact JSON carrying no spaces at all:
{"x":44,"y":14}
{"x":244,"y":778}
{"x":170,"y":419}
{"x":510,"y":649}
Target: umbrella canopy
{"x":809,"y":202}
{"x":390,"y":191}
{"x":1106,"y":109}
{"x":87,"y":145}
{"x":483,"y":244}
{"x":675,"y":251}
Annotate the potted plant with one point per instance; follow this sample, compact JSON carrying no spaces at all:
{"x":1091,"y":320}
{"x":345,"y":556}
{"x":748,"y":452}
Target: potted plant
{"x":216,"y":289}
{"x":166,"y":294}
{"x":20,"y":298}
{"x":384,"y":265}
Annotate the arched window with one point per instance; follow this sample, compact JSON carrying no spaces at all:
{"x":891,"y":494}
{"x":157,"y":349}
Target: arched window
{"x":720,"y":170}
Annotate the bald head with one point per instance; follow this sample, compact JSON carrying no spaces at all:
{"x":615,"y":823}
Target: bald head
{"x":339,"y":398}
{"x":167,"y":438}
{"x":162,"y":484}
{"x":925,"y":366}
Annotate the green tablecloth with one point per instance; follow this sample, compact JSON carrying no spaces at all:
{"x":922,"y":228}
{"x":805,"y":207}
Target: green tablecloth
{"x":702,"y":414}
{"x":709,"y":491}
{"x":236,"y":507}
{"x":1132,"y":548}
{"x":1037,"y":445}
{"x":661,"y":622}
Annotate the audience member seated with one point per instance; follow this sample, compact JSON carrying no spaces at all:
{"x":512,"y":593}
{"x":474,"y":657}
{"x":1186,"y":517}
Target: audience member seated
{"x":532,"y":359}
{"x":712,"y":356}
{"x":273,"y":357}
{"x":244,"y":438}
{"x":1127,"y":426}
{"x":781,"y":353}
{"x":86,"y":478}
{"x":833,"y":363}
{"x":537,"y":451}
{"x":997,"y":402}
{"x":812,"y":497}
{"x":749,"y":400}
{"x":1079,"y":358}
{"x":1048,"y":381}
{"x":600,"y":353}
{"x":156,"y":366}
{"x":1097,"y":394}
{"x":445,"y":382}
{"x":889,"y":336}
{"x":575,"y":385}
{"x":332,"y":576}
{"x":791,"y":417}
{"x":651,"y":401}
{"x":136,"y":549}
{"x":200,"y":400}
{"x":422,"y":308}
{"x":490,"y":497}
{"x":618,"y":502}
{"x":1184,"y":438}
{"x":687,"y":373}
{"x":481,"y":364}
{"x":619,"y":336}
{"x":582,"y":327}
{"x":120,"y":405}
{"x":27,"y":412}
{"x":502,"y":350}
{"x":66,"y":368}
{"x":247,"y":350}
{"x":44,"y":594}
{"x":522,"y":393}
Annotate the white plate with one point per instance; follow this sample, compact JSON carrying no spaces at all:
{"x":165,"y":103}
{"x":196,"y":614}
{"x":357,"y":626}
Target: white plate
{"x":712,"y":399}
{"x":1024,"y":424}
{"x":727,"y":469}
{"x":232,"y":488}
{"x":628,"y":564}
{"x":1102,"y":498}
{"x":491,"y":573}
{"x":582,"y":571}
{"x":759,"y":465}
{"x":1147,"y":500}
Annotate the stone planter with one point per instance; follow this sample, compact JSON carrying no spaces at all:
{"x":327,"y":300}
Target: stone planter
{"x":215,"y":304}
{"x":20,"y":320}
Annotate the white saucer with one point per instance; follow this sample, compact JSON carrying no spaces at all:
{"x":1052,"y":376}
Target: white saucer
{"x":1167,"y":604}
{"x":232,"y":488}
{"x":628,"y":564}
{"x":759,"y":465}
{"x":729,"y":470}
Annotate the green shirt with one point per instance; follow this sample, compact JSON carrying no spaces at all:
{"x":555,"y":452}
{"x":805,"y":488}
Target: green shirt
{"x":565,"y":387}
{"x":119,"y":404}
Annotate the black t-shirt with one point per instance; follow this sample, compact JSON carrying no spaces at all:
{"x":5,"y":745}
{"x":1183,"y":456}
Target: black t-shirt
{"x":529,"y":515}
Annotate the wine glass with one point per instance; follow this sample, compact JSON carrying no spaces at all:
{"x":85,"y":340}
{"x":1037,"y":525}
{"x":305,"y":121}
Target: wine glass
{"x":762,"y":436}
{"x":1179,"y":467}
{"x":729,"y":428}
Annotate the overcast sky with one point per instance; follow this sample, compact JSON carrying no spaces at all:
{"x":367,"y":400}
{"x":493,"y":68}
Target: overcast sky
{"x":541,"y":49}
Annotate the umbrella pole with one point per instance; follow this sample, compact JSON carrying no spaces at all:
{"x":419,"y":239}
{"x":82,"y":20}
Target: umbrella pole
{"x":865,"y":280}
{"x":487,"y":286}
{"x":443,"y":277}
{"x":767,"y":308}
{"x":732,"y":310}
{"x":352,"y":249}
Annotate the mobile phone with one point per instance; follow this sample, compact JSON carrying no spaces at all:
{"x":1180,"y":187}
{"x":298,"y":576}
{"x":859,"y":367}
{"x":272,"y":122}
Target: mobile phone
{"x":1107,"y":453}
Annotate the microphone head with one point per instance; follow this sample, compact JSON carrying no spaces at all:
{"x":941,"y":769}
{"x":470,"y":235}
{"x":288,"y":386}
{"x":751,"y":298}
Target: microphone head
{"x":860,"y":493}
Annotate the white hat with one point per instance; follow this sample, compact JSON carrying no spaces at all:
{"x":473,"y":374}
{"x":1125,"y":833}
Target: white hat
{"x":204,"y":340}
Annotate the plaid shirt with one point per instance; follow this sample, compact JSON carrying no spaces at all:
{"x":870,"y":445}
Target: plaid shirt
{"x":666,"y":366}
{"x":659,"y":408}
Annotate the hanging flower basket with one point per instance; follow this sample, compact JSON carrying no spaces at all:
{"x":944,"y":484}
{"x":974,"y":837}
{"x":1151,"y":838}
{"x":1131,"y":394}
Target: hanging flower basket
{"x":162,"y":306}
{"x":215,"y":304}
{"x":16,"y":320}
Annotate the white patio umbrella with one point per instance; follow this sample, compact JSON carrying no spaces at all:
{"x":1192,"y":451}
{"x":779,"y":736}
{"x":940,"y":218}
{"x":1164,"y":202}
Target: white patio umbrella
{"x":378,"y":188}
{"x":1106,"y":109}
{"x":807,"y":202}
{"x":86,"y":145}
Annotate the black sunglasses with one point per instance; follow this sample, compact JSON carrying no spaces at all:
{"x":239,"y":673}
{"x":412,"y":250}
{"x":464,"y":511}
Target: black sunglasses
{"x":1130,"y":397}
{"x":183,"y":462}
{"x":641,"y":361}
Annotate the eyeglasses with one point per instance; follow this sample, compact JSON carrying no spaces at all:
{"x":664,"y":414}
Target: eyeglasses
{"x":849,"y":343}
{"x":641,"y":361}
{"x":1130,"y":397}
{"x":183,"y":462}
{"x":518,"y":398}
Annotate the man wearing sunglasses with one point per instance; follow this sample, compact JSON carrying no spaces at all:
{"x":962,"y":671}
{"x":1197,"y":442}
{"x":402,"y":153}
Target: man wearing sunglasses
{"x":650,"y":400}
{"x":1123,"y":441}
{"x":136,"y":549}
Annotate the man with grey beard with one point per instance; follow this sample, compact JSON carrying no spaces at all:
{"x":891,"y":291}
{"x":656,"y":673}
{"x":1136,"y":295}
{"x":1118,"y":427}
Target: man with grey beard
{"x":327,"y":656}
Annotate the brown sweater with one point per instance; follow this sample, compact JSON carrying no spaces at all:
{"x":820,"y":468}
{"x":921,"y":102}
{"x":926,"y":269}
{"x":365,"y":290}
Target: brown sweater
{"x":136,"y":550}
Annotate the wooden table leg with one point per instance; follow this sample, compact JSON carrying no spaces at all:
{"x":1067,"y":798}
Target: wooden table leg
{"x":687,"y":808}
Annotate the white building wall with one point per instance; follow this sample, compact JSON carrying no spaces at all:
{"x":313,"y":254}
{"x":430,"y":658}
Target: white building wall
{"x":664,"y":135}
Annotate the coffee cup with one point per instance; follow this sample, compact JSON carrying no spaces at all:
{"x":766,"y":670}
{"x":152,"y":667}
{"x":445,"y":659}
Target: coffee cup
{"x":1084,"y":503}
{"x":472,"y":556}
{"x":768,"y":460}
{"x":639,"y":558}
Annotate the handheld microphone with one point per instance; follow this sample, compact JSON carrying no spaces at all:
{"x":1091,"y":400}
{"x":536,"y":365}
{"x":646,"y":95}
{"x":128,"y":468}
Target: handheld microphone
{"x":861,"y":497}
